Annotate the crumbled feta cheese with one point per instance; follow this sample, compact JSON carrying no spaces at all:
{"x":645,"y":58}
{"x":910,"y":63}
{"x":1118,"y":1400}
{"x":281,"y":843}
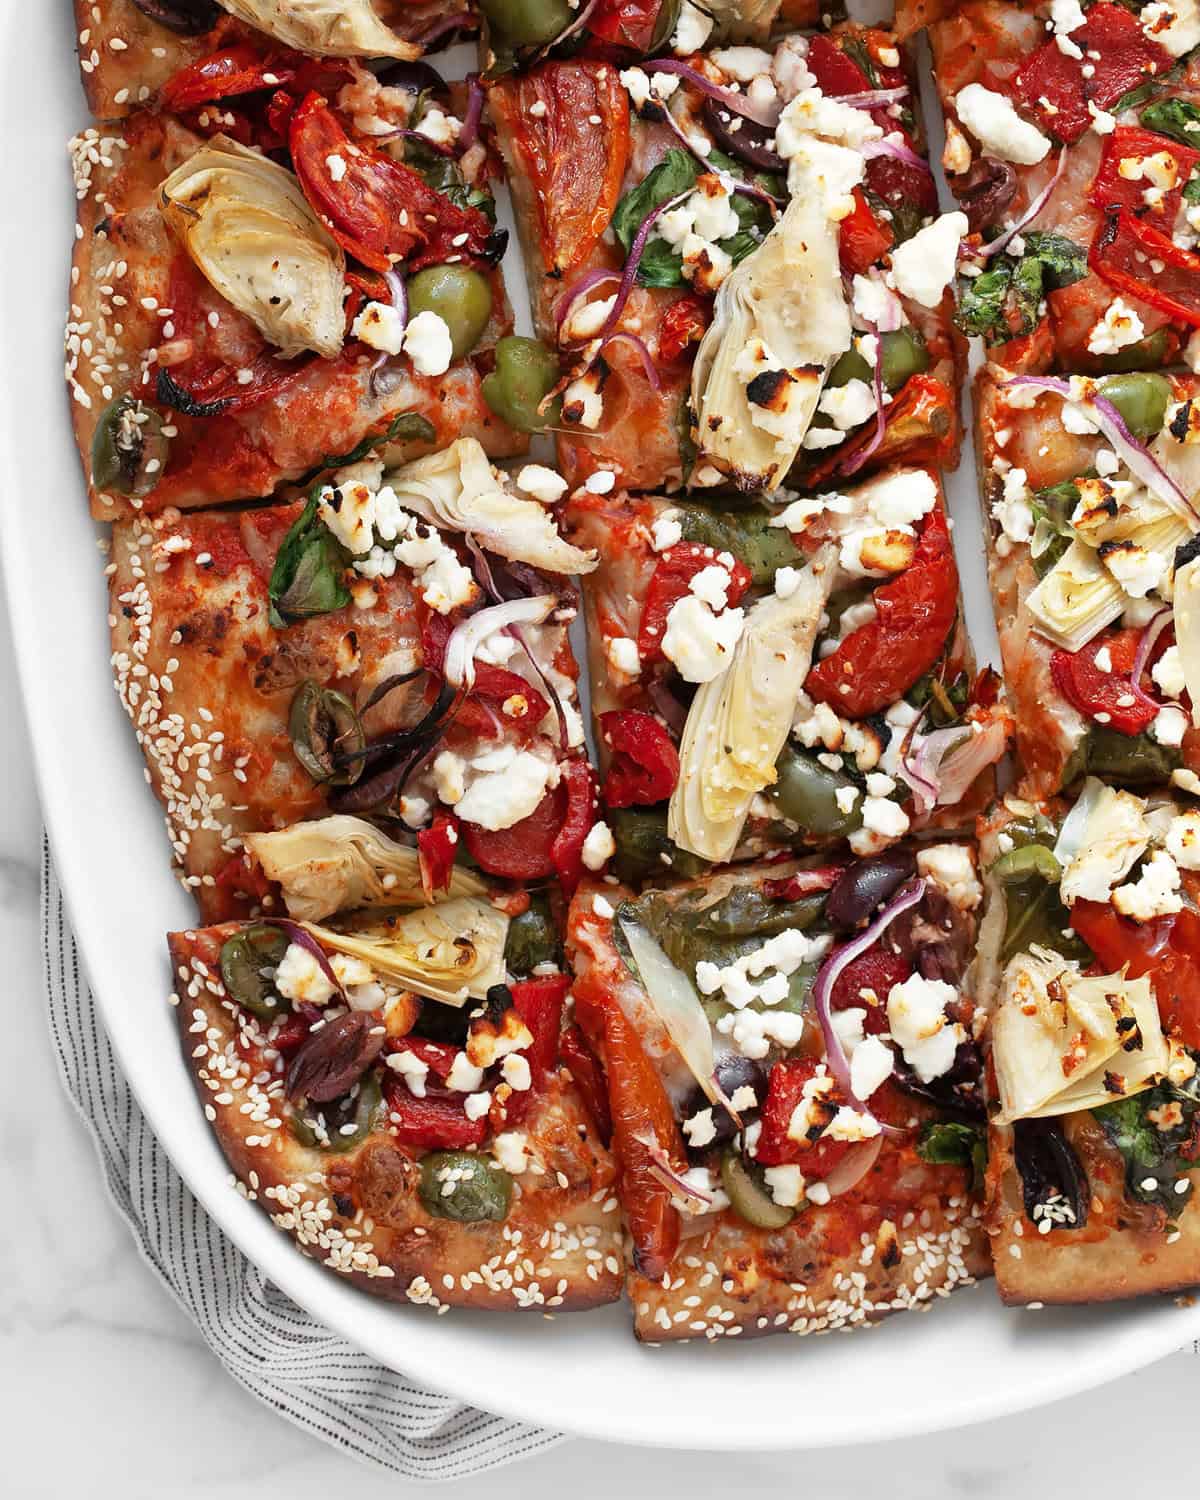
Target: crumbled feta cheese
{"x":700,"y":1129}
{"x":499,"y":798}
{"x":952,"y":869}
{"x":381,"y":326}
{"x":699,"y":642}
{"x":666,"y":531}
{"x":874,"y":302}
{"x":449,"y":777}
{"x":743,"y":1098}
{"x":871,"y":1064}
{"x":510,"y":1148}
{"x":999,"y":129}
{"x":1116,"y":330}
{"x":812,"y":113}
{"x":300,"y":977}
{"x":475,"y":1106}
{"x":428,"y":344}
{"x":916,"y":1010}
{"x":753,"y":1031}
{"x":711,"y":584}
{"x":464,"y":1077}
{"x":785,"y":1184}
{"x":348,"y":510}
{"x":621,"y":652}
{"x":1013,"y":511}
{"x":1154,"y":894}
{"x":1066,"y":16}
{"x":516,"y":1072}
{"x":742,"y":63}
{"x":1183,"y":839}
{"x":335,"y":165}
{"x":603,"y":908}
{"x":1173,"y":24}
{"x":542,"y":483}
{"x":849,"y":405}
{"x":412,"y":1069}
{"x":599,"y":846}
{"x":882,"y":821}
{"x":1137,"y":569}
{"x":852,"y":1125}
{"x":692,"y":29}
{"x":583,"y":404}
{"x":923,"y":266}
{"x":1167,"y":672}
{"x":1169,"y":726}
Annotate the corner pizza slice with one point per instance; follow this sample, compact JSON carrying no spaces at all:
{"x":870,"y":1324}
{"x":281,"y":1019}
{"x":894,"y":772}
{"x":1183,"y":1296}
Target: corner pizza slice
{"x":1072,"y":148}
{"x":396,"y":1101}
{"x":737,"y":261}
{"x":1091,"y":969}
{"x":130,"y":50}
{"x":1089,"y":487}
{"x":395,"y":646}
{"x":793,"y":1070}
{"x":240,"y":320}
{"x":764,"y":676}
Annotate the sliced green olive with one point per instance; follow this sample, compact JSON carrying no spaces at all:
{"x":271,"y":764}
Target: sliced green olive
{"x":248,"y":963}
{"x":464,"y":1186}
{"x":528,"y":23}
{"x":461,"y":297}
{"x":363,"y":1113}
{"x":1146,"y":353}
{"x":525,"y":374}
{"x":1141,"y":399}
{"x":847,"y":367}
{"x":129,"y":450}
{"x":323,"y":724}
{"x":532,"y":938}
{"x":904,"y":354}
{"x":1025,"y":863}
{"x":748,"y":1196}
{"x":805,"y":792}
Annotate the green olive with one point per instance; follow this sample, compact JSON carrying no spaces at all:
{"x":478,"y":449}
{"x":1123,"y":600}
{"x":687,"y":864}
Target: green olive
{"x":748,"y":1196}
{"x":668,"y":19}
{"x":323,"y":724}
{"x":532,"y":939}
{"x":806,"y":794}
{"x":1025,"y":863}
{"x":903,"y":353}
{"x":248,"y":963}
{"x":363,"y":1112}
{"x":1142,"y":401}
{"x":129,"y":450}
{"x":478,"y":1188}
{"x":847,"y":367}
{"x":528,"y":23}
{"x":525,"y":374}
{"x":1145,"y":354}
{"x":462,"y":298}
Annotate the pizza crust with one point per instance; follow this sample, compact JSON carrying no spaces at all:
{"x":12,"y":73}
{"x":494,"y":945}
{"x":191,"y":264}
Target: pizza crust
{"x":359,"y":1215}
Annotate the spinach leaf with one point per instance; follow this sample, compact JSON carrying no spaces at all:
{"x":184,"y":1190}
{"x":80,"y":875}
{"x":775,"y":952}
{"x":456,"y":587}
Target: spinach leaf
{"x":1156,"y":1158}
{"x":307,"y":578}
{"x":1034,"y":913}
{"x":1003,"y":302}
{"x":1053,"y":534}
{"x":949,"y":1143}
{"x":1135,"y":98}
{"x":746,"y":532}
{"x":442,"y":174}
{"x":1062,"y":259}
{"x":1175,"y":118}
{"x":675,"y":174}
{"x":407,"y":427}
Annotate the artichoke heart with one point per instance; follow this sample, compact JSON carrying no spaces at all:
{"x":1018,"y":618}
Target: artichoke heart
{"x":1076,"y":599}
{"x":249,"y":229}
{"x":738,"y":723}
{"x":1062,"y":1042}
{"x":452,"y":952}
{"x":458,"y":489}
{"x":779,"y":323}
{"x":340,"y":863}
{"x":335,"y":28}
{"x":1187,"y":629}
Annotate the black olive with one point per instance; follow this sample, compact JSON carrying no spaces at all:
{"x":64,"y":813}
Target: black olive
{"x":414,"y":77}
{"x":743,"y":138}
{"x":985,"y":191}
{"x":1049,"y":1168}
{"x":733,"y":1072}
{"x":183,"y":17}
{"x":864,"y":885}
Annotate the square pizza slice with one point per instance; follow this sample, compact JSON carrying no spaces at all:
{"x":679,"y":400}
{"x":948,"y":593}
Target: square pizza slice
{"x":1091,"y":971}
{"x":792,"y":1059}
{"x":396,"y":1101}
{"x":338,"y":656}
{"x":737,"y":260}
{"x":1072,"y":147}
{"x":130,"y":50}
{"x":237,"y":323}
{"x":1088,"y":488}
{"x":765,"y":675}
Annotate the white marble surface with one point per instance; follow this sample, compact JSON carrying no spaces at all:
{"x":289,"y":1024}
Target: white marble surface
{"x":106,"y":1388}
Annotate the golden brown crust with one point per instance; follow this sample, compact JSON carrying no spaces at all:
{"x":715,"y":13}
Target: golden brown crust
{"x":359,"y":1213}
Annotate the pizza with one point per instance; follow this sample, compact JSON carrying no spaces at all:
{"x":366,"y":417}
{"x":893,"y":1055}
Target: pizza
{"x":309,"y":661}
{"x":1092,"y":980}
{"x":400,"y":1110}
{"x":1071,"y":148}
{"x":237,"y":324}
{"x":739,"y":271}
{"x":794,"y":1083}
{"x":768,"y":676}
{"x":1088,"y":487}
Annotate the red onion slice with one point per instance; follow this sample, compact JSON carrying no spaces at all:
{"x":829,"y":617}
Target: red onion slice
{"x":897,"y":149}
{"x":993,"y":247}
{"x":461,"y":20}
{"x":666,"y":1174}
{"x":577,"y":291}
{"x":1138,"y":459}
{"x":856,"y":460}
{"x":738,"y":104}
{"x":458,"y":665}
{"x":830,"y":971}
{"x":642,"y":352}
{"x":1154,"y":628}
{"x":634,"y":258}
{"x":470,"y":125}
{"x":399,"y":293}
{"x":871,"y":98}
{"x":854,"y":1166}
{"x":415,"y":135}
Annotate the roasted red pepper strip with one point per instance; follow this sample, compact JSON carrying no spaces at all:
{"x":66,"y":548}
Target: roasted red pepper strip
{"x":669,"y":582}
{"x":524,"y":851}
{"x":378,"y":210}
{"x":239,"y":69}
{"x":862,"y":238}
{"x":645,"y":762}
{"x":437,"y":1122}
{"x":566,"y":853}
{"x":539,"y":1003}
{"x":803,"y":883}
{"x":509,"y":701}
{"x":589,"y":1079}
{"x":1165,"y":948}
{"x":920,"y":426}
{"x":776,"y":1148}
{"x":626,"y":23}
{"x":641,"y":1112}
{"x":1135,"y":257}
{"x":438,"y":1057}
{"x":877,"y":663}
{"x":1095,"y":690}
{"x":877,"y":970}
{"x":683,"y":324}
{"x":835,"y":71}
{"x":1129,"y":143}
{"x":437,"y":847}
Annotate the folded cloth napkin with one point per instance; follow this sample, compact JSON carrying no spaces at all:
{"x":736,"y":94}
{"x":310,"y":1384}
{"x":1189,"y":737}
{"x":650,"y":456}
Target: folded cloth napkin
{"x":268,"y":1344}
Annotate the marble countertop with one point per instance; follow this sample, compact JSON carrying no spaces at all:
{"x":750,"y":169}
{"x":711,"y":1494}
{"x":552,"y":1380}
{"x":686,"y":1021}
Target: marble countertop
{"x":107,"y":1389}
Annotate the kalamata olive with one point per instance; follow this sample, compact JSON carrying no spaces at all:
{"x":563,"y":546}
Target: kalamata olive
{"x":958,"y":1092}
{"x":1049,"y":1168}
{"x":862,"y":886}
{"x":183,"y":17}
{"x":985,"y":191}
{"x":733,"y":1072}
{"x":323,"y":723}
{"x":334,"y":1057}
{"x":743,"y":138}
{"x":414,"y":77}
{"x":934,"y":937}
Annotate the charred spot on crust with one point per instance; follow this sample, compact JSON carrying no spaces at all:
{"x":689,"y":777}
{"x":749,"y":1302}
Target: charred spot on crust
{"x":769,"y":389}
{"x":1188,"y":552}
{"x":1181,"y":422}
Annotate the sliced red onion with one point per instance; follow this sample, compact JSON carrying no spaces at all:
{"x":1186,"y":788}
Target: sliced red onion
{"x":470,"y":124}
{"x":578,"y":290}
{"x":957,"y":765}
{"x":856,"y":460}
{"x":898,"y":149}
{"x":297,"y":933}
{"x":854,"y":1166}
{"x":671,"y":1179}
{"x":635,"y":255}
{"x":399,"y":291}
{"x":922,"y":780}
{"x":872,"y":98}
{"x":830,"y":971}
{"x":667,"y":704}
{"x":642,"y":352}
{"x":461,"y":20}
{"x":994,"y":247}
{"x":458,"y":666}
{"x":1138,"y":459}
{"x":738,"y":104}
{"x":1154,"y":628}
{"x":415,"y":135}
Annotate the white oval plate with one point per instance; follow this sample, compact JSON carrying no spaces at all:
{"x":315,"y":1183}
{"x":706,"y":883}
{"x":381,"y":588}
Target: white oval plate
{"x":971,"y":1360}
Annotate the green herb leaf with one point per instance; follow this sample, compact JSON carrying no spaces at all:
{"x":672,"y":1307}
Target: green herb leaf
{"x":307,"y":578}
{"x":1156,"y":1160}
{"x":1003,"y":302}
{"x":1176,"y":118}
{"x":949,"y":1143}
{"x":408,"y":427}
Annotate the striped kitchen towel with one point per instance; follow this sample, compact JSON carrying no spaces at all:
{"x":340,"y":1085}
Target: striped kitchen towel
{"x":267,"y":1343}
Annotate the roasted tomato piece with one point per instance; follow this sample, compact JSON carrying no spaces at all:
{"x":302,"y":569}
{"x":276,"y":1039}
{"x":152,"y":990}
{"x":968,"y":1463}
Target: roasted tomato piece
{"x":524,"y":851}
{"x":1097,"y":690}
{"x":1135,"y":257}
{"x":877,"y":970}
{"x":683,"y":324}
{"x":920,"y":426}
{"x":1128,"y":146}
{"x":566,"y":853}
{"x":670,"y":581}
{"x":645,"y":762}
{"x":1167,"y":948}
{"x":626,"y":23}
{"x":238,"y":69}
{"x":437,"y":1122}
{"x":862,"y":238}
{"x":776,"y":1148}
